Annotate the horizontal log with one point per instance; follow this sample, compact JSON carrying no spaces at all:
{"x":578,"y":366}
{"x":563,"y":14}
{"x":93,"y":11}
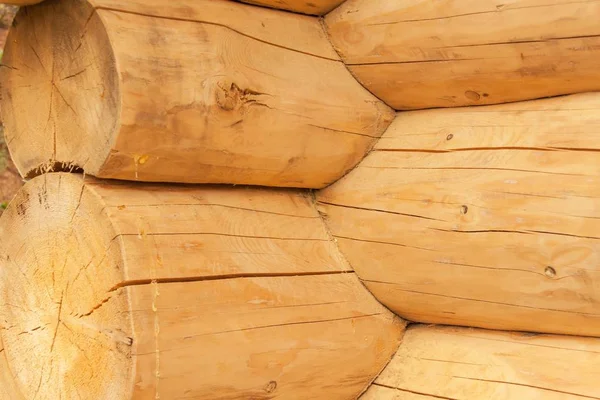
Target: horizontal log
{"x":482,"y":216}
{"x":451,"y":53}
{"x":461,"y":363}
{"x":145,"y":291}
{"x":315,"y":7}
{"x":204,"y":91}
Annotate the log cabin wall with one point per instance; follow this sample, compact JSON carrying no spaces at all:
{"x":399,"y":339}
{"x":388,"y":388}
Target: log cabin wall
{"x":475,"y":216}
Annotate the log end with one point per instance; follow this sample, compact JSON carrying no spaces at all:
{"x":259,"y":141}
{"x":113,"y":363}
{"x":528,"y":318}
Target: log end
{"x":59,"y":83}
{"x":64,"y":323}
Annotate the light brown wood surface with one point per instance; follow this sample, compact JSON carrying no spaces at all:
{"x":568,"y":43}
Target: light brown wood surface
{"x":450,"y":53}
{"x":204,"y":91}
{"x":8,"y":388}
{"x":474,"y":364}
{"x":481,"y":216}
{"x":316,"y":7}
{"x":132,"y":291}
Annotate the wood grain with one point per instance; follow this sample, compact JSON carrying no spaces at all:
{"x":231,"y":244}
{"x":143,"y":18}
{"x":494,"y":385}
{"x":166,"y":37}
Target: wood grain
{"x":481,"y":217}
{"x":200,"y":92}
{"x":315,"y":7}
{"x":461,"y":363}
{"x":295,"y":32}
{"x":8,"y":388}
{"x":153,"y":291}
{"x":453,"y":53}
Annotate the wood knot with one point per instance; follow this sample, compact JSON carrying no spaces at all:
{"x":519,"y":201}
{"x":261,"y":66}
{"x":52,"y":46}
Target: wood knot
{"x":464,"y":209}
{"x":550,"y":272}
{"x":473,"y":96}
{"x":231,"y":97}
{"x":21,"y":209}
{"x":271,"y":386}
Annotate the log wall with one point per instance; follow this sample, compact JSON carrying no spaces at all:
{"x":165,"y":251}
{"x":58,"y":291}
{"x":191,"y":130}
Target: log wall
{"x":481,"y":216}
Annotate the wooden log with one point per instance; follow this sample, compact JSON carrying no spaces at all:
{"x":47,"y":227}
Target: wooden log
{"x":315,"y":7}
{"x":481,"y":216}
{"x":180,"y":292}
{"x":475,"y":364}
{"x":204,"y":91}
{"x":449,"y":53}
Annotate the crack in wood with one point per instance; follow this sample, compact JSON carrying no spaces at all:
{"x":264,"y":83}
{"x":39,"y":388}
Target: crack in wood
{"x":415,"y":392}
{"x":380,"y":211}
{"x":477,"y":169}
{"x":525,"y":385}
{"x":499,"y":8}
{"x":342,"y":131}
{"x":382,"y":242}
{"x":479,"y":300}
{"x":219,"y":234}
{"x":141,"y":282}
{"x":320,"y":321}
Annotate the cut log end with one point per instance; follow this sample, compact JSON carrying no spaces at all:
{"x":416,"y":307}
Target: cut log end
{"x":63,"y":333}
{"x":59,"y":82}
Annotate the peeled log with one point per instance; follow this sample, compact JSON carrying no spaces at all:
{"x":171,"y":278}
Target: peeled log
{"x":461,"y":363}
{"x":317,"y":7}
{"x":137,"y":292}
{"x":481,"y":216}
{"x":204,"y":91}
{"x":449,"y":53}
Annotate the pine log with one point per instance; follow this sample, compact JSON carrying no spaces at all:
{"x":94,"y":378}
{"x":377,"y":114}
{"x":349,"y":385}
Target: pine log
{"x":449,"y":53}
{"x":125,"y":291}
{"x":474,"y":364}
{"x":172,"y":90}
{"x":315,"y":7}
{"x":483,"y":216}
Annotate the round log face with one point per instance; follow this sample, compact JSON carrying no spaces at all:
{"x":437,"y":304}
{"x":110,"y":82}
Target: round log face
{"x":61,"y":87}
{"x":66,"y":334}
